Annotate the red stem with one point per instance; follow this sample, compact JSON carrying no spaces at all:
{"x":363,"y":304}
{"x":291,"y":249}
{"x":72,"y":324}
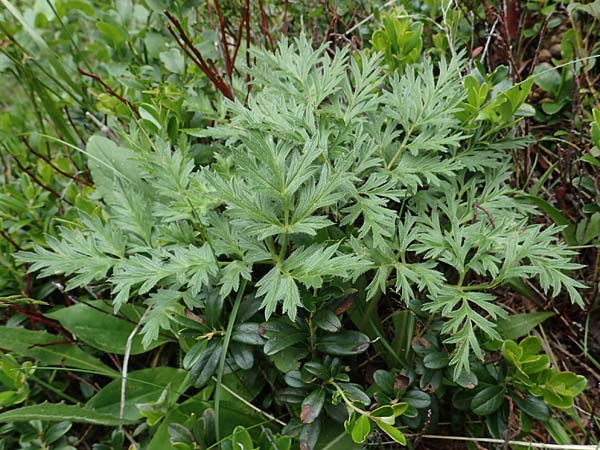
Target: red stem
{"x":51,"y":164}
{"x":109,"y":90}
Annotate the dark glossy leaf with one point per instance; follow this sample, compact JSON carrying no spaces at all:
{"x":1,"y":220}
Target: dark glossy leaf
{"x":326,"y":320}
{"x":247,"y":333}
{"x":206,"y":365}
{"x":243,"y":355}
{"x":384,"y":381}
{"x":487,"y":400}
{"x":534,"y":407}
{"x":317,"y":369}
{"x":344,"y":343}
{"x":436,"y":360}
{"x":417,"y":399}
{"x":294,"y":379}
{"x":309,"y":435}
{"x":312,"y":405}
{"x":355,"y":393}
{"x":281,"y":340}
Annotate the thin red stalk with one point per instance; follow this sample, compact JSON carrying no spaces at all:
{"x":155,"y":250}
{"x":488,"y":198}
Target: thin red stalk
{"x":285,"y":24}
{"x":199,"y":61}
{"x":238,"y":38}
{"x":73,"y":125}
{"x":264,"y":25}
{"x":6,"y":236}
{"x":109,"y":90}
{"x":186,"y":45}
{"x":37,"y":317}
{"x":36,"y":180}
{"x":224,"y":46}
{"x":54,"y":166}
{"x":248,"y":80}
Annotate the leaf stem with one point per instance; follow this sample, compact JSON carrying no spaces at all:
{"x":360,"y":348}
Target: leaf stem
{"x":226,"y":340}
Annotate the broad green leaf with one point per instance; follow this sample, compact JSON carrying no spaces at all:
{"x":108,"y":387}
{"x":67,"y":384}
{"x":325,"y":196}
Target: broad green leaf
{"x":312,"y":405}
{"x":361,"y":429}
{"x":173,"y":60}
{"x":58,"y":412}
{"x":436,"y":360}
{"x":327,"y":320}
{"x":556,"y":215}
{"x":344,"y":343}
{"x":241,"y":439}
{"x":417,"y":399}
{"x":231,"y":416}
{"x":109,"y":162}
{"x":519,"y":325}
{"x":50,"y":349}
{"x":487,"y":400}
{"x":143,"y":386}
{"x":533,"y":406}
{"x":90,"y":322}
{"x":392,"y":432}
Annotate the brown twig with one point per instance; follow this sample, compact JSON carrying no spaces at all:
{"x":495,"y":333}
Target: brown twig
{"x":184,"y":42}
{"x":110,"y":90}
{"x":54,"y":166}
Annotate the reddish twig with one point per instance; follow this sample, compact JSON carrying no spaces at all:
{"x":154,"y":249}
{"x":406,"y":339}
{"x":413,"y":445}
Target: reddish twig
{"x":184,"y":42}
{"x":10,"y":240}
{"x":54,"y":166}
{"x":224,"y":46}
{"x":265,"y":26}
{"x":238,"y":39}
{"x":248,"y":80}
{"x":35,"y":179}
{"x":36,"y":317}
{"x":284,"y":28}
{"x":477,"y":206}
{"x":70,"y":119}
{"x":110,"y":90}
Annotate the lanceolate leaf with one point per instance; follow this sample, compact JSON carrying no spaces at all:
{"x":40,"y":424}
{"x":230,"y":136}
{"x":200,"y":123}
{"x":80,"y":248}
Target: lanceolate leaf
{"x":90,"y":322}
{"x":51,"y":350}
{"x":58,"y":412}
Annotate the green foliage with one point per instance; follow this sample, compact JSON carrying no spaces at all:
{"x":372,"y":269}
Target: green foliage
{"x":340,"y":203}
{"x":399,"y":40}
{"x":531,"y":373}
